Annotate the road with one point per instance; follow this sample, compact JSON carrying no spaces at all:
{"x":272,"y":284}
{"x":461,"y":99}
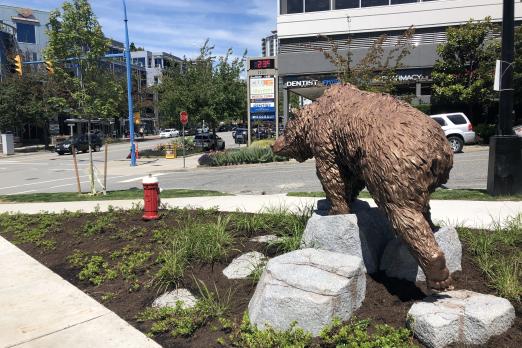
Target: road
{"x":48,"y":172}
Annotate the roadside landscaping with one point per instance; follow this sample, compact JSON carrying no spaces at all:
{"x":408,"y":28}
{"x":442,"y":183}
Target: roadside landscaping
{"x":258,"y":152}
{"x":110,"y":196}
{"x":126,"y":263}
{"x":441,"y":194}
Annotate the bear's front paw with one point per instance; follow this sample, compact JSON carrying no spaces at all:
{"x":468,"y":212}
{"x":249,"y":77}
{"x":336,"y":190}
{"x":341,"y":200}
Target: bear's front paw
{"x":437,"y":274}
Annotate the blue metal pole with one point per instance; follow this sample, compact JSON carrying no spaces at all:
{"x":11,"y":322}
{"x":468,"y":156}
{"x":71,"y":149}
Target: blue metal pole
{"x":129,"y":88}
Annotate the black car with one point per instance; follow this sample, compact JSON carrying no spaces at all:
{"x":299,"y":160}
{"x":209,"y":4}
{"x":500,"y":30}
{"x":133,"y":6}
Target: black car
{"x":206,"y":142}
{"x":80,"y":143}
{"x":240,"y":135}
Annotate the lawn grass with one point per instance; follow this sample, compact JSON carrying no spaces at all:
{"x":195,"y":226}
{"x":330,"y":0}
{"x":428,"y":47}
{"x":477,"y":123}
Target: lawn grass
{"x":111,"y":195}
{"x":499,"y":254}
{"x":444,"y":194}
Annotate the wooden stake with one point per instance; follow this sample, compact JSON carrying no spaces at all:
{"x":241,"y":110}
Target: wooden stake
{"x":73,"y":149}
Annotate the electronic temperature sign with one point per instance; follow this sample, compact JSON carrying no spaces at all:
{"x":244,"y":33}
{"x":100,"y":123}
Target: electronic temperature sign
{"x":262,"y":64}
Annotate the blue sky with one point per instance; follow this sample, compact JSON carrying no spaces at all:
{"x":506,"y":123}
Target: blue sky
{"x":180,"y":27}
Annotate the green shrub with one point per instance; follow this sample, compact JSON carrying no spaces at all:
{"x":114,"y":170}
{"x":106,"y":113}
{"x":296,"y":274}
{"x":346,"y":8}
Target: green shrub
{"x":248,"y":155}
{"x":355,"y":334}
{"x":263,"y":144}
{"x":249,"y":336}
{"x":96,"y":270}
{"x":426,"y":108}
{"x":485,"y":131}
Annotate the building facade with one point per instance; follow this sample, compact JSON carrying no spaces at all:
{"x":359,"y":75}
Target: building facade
{"x":30,"y":29}
{"x":304,"y":25}
{"x":270,"y":45}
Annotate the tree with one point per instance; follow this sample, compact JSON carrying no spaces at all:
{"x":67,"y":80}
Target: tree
{"x":463,"y":76}
{"x":518,"y":76}
{"x":377,"y":70}
{"x":33,"y":99}
{"x":208,"y":88}
{"x":76,"y":48}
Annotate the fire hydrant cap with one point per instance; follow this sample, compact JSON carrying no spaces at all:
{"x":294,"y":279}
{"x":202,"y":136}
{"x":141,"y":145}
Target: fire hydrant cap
{"x":150,"y":180}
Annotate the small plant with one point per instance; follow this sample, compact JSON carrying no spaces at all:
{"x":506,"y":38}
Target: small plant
{"x":355,"y":334}
{"x":96,"y":271}
{"x":498,"y":254}
{"x":102,"y":224}
{"x":257,"y":272}
{"x":108,"y":296}
{"x":130,"y":264}
{"x":249,"y":336}
{"x":181,"y":321}
{"x":174,"y":260}
{"x":77,"y":259}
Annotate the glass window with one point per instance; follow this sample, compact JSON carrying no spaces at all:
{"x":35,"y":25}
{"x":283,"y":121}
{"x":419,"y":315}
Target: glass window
{"x":440,"y":121}
{"x":139,"y":61}
{"x":395,"y":2}
{"x":457,"y":119}
{"x":26,"y":33}
{"x":368,"y":3}
{"x":340,"y":4}
{"x":317,"y":5}
{"x":294,"y":6}
{"x":158,"y":62}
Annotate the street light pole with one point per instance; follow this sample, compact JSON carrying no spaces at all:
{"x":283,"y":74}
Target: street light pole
{"x":129,"y":88}
{"x":505,"y":151}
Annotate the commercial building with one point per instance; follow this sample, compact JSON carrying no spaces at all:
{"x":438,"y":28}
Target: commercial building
{"x":303,"y":25}
{"x":270,"y":45}
{"x":22,"y":30}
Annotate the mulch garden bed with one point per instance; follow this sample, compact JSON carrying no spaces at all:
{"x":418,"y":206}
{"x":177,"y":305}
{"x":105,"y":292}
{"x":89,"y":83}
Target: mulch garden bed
{"x":387,"y":300}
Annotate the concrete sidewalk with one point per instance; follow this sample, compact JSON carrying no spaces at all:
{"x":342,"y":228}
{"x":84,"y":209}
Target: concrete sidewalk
{"x":40,"y":309}
{"x":472,"y":214}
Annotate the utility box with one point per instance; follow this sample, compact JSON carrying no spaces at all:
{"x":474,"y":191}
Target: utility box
{"x":8,"y":144}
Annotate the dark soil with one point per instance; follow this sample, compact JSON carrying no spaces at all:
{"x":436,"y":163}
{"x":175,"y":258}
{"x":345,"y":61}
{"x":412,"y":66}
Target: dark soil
{"x":387,"y":300}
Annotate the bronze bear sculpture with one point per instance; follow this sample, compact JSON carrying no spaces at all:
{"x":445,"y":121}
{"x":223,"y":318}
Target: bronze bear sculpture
{"x":361,"y":139}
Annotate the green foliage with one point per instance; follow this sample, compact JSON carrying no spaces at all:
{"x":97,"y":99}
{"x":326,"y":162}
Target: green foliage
{"x":181,"y":321}
{"x":102,"y":224}
{"x":193,"y":243}
{"x":248,"y":155}
{"x":426,"y":108}
{"x":208,"y":88}
{"x":499,"y":254}
{"x":463,"y":74}
{"x":249,"y":336}
{"x":377,"y":70}
{"x":355,"y":334}
{"x":263,"y":144}
{"x":485,"y":131}
{"x":33,"y":229}
{"x":96,"y":270}
{"x":290,"y":227}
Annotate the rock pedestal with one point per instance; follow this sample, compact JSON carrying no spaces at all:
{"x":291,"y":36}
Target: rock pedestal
{"x":309,"y":286}
{"x":460,"y":317}
{"x":364,"y":233}
{"x":398,"y":262}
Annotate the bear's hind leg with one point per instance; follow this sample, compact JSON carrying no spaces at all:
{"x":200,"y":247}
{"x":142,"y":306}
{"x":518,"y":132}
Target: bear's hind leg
{"x":334,"y":186}
{"x":413,"y":228}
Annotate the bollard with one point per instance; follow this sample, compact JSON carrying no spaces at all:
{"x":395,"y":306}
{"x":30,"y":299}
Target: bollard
{"x":151,"y":198}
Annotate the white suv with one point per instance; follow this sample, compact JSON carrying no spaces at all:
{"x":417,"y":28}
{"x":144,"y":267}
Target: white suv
{"x":169,"y":133}
{"x":457,"y":128}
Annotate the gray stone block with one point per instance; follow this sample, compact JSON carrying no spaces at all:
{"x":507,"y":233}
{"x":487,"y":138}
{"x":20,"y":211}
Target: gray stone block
{"x":309,"y":286}
{"x":460,"y":317}
{"x":244,"y":265}
{"x":364,"y":233}
{"x":398,"y":262}
{"x":171,"y":298}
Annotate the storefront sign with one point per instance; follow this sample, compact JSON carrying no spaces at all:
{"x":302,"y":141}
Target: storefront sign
{"x":262,"y":88}
{"x":311,"y":82}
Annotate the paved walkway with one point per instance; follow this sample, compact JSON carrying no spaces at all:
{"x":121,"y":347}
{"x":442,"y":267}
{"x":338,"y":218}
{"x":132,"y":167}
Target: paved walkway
{"x":473,"y":214}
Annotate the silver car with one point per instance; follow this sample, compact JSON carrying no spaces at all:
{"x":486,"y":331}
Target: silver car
{"x":458,"y":129}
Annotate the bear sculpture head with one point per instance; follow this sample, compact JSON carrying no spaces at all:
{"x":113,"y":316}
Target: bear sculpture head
{"x":293,"y":143}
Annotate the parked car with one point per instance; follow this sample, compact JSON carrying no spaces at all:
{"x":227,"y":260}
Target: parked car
{"x":518,"y":130}
{"x":240,"y":135}
{"x":169,"y":133}
{"x":206,"y":142}
{"x":458,"y":129}
{"x":80,"y":143}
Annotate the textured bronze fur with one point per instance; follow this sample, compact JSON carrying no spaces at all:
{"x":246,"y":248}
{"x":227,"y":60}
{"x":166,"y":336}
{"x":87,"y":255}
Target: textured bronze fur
{"x":367,"y":139}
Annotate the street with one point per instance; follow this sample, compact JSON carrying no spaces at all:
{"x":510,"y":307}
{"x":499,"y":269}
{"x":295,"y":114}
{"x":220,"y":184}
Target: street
{"x":48,"y":172}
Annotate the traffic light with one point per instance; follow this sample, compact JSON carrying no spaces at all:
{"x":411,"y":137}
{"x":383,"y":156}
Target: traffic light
{"x":19,"y":69}
{"x":49,"y":66}
{"x":137,"y":118}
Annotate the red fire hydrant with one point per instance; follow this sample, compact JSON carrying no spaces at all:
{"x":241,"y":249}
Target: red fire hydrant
{"x":151,"y":196}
